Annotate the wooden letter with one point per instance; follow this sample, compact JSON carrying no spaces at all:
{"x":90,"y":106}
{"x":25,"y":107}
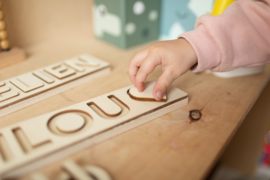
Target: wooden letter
{"x":81,"y":61}
{"x":43,"y":76}
{"x":6,"y":93}
{"x":60,"y":71}
{"x":27,"y":82}
{"x":146,"y":95}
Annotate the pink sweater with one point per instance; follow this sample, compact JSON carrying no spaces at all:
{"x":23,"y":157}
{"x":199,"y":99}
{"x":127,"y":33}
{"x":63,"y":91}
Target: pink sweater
{"x":240,"y":37}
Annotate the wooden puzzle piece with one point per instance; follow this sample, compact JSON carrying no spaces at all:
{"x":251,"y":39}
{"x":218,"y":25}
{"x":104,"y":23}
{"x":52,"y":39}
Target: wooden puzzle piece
{"x":42,"y":83}
{"x":56,"y":140}
{"x":60,"y":71}
{"x":27,"y":82}
{"x":81,"y":61}
{"x":6,"y":93}
{"x":147,"y":94}
{"x":43,"y":76}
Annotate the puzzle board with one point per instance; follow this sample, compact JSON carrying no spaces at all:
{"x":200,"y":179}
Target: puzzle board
{"x":34,"y":143}
{"x":29,"y":88}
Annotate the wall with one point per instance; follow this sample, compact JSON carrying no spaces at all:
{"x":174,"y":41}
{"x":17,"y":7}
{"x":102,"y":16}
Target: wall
{"x":34,"y":21}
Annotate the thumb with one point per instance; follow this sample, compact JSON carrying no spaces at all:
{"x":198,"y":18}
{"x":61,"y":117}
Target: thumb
{"x":163,"y":82}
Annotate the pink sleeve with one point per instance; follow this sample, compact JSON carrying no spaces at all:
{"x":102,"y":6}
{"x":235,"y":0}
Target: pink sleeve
{"x":240,"y":37}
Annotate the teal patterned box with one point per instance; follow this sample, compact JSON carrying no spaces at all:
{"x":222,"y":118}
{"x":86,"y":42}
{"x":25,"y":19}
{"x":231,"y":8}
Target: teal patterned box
{"x":127,"y":23}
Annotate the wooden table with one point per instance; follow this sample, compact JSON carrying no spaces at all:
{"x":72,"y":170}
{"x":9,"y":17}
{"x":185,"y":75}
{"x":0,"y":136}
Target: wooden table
{"x":169,"y":147}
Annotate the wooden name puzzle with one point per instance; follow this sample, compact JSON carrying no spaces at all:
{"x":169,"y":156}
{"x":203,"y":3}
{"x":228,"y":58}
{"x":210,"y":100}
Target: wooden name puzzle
{"x":34,"y":143}
{"x":29,"y":88}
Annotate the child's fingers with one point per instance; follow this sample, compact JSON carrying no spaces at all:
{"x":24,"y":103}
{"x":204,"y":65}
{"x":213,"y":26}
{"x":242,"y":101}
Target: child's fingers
{"x":163,"y":82}
{"x":135,"y":63}
{"x":147,"y":66}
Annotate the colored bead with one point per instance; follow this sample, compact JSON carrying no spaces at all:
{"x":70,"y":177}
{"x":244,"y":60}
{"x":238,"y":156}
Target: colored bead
{"x":3,"y":35}
{"x":2,"y":25}
{"x":4,"y":45}
{"x":1,"y":15}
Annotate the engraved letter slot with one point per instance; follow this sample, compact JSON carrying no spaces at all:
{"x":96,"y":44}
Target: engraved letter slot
{"x":30,"y":136}
{"x":109,"y":107}
{"x":5,"y":152}
{"x":70,"y":122}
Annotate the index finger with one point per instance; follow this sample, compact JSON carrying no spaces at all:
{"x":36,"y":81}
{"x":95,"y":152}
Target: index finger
{"x":135,"y":63}
{"x":147,"y":67}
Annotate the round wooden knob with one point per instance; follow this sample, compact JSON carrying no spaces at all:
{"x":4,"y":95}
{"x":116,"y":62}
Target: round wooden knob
{"x":1,"y":15}
{"x":2,"y":25}
{"x":4,"y":45}
{"x":3,"y":35}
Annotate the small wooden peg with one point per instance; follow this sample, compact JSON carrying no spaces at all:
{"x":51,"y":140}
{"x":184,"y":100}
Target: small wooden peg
{"x":1,"y":15}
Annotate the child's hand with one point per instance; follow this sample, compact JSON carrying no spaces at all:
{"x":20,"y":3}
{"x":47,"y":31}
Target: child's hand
{"x":176,"y":57}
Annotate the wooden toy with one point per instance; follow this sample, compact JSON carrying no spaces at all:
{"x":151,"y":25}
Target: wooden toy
{"x":146,"y":95}
{"x":127,"y":23}
{"x":29,"y":88}
{"x":7,"y":56}
{"x":34,"y":143}
{"x":179,"y":16}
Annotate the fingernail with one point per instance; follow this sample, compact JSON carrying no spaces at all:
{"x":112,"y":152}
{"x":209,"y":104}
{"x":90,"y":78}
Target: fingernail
{"x":159,"y":95}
